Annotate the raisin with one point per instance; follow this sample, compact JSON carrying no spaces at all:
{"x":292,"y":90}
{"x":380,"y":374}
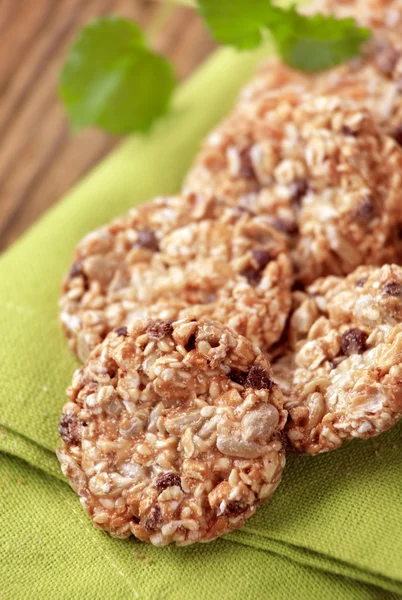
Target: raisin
{"x":237,"y":376}
{"x":397,"y":135}
{"x":353,"y":341}
{"x":76,"y":270}
{"x":112,"y":367}
{"x":298,"y":286}
{"x":393,"y":288}
{"x":262,"y":258}
{"x":364,"y":211}
{"x":246,"y":166}
{"x":346,"y":130}
{"x":69,"y":429}
{"x":159,"y":329}
{"x":285,"y":226}
{"x":253,"y":276}
{"x":258,"y":379}
{"x":244,"y":209}
{"x":167,"y":480}
{"x":154,"y":518}
{"x":235,"y":508}
{"x":361,"y":282}
{"x":300,"y":188}
{"x":121,"y":331}
{"x":387,"y":59}
{"x":147,"y":239}
{"x":190,"y":345}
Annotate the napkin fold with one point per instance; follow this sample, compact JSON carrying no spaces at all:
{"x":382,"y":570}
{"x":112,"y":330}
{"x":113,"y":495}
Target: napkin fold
{"x":333,"y":528}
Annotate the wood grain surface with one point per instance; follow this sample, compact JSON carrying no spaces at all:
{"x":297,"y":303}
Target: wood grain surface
{"x":39,"y":158}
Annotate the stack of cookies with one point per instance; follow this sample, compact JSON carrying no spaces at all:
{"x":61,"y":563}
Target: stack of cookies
{"x":258,"y":312}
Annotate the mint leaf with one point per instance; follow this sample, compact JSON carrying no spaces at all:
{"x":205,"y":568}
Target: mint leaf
{"x":239,"y":23}
{"x":306,"y":43}
{"x":113,"y":81}
{"x":319,"y":42}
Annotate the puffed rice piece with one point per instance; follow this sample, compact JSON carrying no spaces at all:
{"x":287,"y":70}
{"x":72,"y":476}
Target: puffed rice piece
{"x":320,"y":170}
{"x":220,"y":262}
{"x":172,"y":431}
{"x":343,"y":366}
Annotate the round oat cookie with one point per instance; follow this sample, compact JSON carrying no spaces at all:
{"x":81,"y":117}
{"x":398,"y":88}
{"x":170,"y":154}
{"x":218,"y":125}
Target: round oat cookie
{"x":372,"y":80}
{"x":100,"y":266}
{"x":234,"y":268}
{"x":344,"y":359}
{"x":320,"y":170}
{"x":172,"y":431}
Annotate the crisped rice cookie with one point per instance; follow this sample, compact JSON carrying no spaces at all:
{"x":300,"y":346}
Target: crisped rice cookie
{"x":100,"y":266}
{"x":372,"y":80}
{"x":172,"y":431}
{"x":369,"y":79}
{"x":322,"y":173}
{"x":344,"y":360}
{"x":234,"y":268}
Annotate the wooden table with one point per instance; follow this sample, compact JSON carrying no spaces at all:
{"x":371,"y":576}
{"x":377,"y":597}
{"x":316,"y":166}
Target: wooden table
{"x":39,"y":158}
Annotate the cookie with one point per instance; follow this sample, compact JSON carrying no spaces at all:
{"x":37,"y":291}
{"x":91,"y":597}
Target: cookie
{"x":229,"y":265}
{"x":322,"y":173}
{"x":172,"y":431}
{"x":344,"y":359}
{"x":372,"y":80}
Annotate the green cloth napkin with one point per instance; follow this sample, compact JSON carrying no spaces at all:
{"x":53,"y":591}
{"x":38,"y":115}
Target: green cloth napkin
{"x":333,"y":528}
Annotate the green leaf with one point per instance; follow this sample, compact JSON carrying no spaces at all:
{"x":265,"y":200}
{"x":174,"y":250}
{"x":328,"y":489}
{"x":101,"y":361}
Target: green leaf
{"x":113,"y":81}
{"x":307,"y":43}
{"x":236,"y":22}
{"x":319,"y":42}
